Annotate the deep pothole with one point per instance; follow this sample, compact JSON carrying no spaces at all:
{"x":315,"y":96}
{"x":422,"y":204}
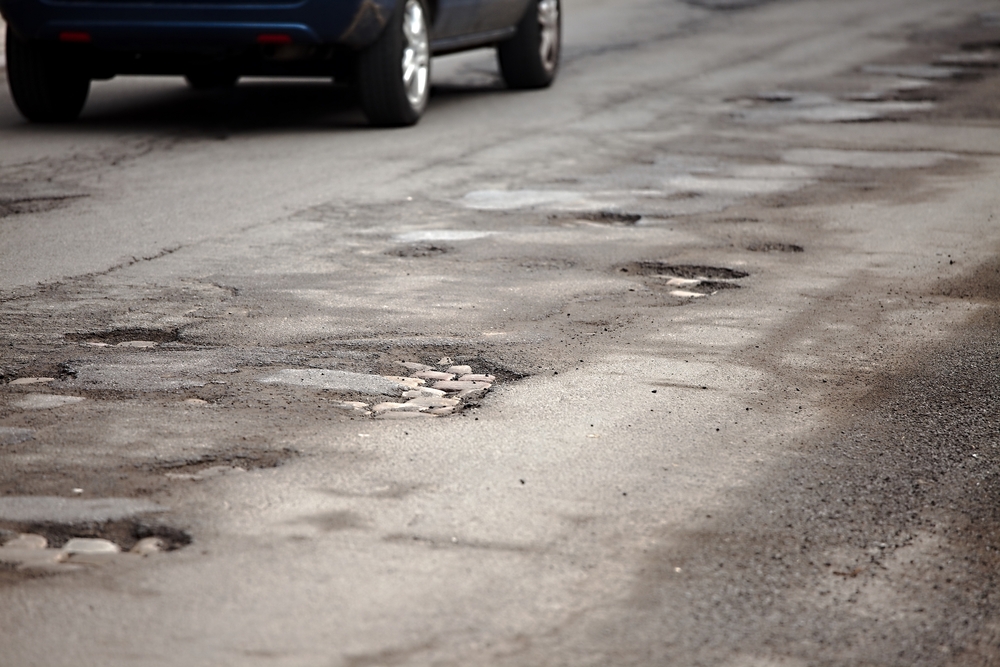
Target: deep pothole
{"x":125,"y":533}
{"x":38,"y":546}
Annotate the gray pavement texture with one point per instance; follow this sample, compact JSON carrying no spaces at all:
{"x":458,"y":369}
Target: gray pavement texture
{"x":734,"y":281}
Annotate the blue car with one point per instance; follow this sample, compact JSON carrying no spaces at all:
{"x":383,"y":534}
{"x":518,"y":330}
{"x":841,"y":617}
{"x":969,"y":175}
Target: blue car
{"x":55,"y":48}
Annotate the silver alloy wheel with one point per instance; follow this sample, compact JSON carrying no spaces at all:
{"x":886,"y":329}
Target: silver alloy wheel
{"x":548,"y":22}
{"x":416,"y":55}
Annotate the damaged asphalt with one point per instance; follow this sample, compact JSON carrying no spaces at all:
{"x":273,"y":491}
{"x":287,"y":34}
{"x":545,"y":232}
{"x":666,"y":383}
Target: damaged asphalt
{"x":732,"y":285}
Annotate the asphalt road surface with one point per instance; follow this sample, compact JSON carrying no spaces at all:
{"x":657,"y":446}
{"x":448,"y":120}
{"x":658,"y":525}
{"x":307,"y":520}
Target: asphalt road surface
{"x":729,"y":294}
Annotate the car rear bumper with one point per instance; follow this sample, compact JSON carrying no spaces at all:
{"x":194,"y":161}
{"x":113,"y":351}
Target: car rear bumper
{"x":193,"y":26}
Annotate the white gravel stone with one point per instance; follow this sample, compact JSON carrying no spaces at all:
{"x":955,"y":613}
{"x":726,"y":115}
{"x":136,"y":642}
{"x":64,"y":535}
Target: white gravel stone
{"x":422,"y":391}
{"x":456,"y":385}
{"x":477,"y":377}
{"x":684,"y":294}
{"x":21,"y":381}
{"x":10,"y":435}
{"x":411,"y":382}
{"x":45,"y":401}
{"x":435,"y":375}
{"x":683,"y":282}
{"x":471,"y":394}
{"x":27,"y":541}
{"x":434,"y":402}
{"x":350,"y":405}
{"x":90,"y":545}
{"x":195,"y":401}
{"x":414,"y":366}
{"x":148,"y":545}
{"x":387,"y":406}
{"x":445,"y":361}
{"x":35,"y":559}
{"x":460,"y":370}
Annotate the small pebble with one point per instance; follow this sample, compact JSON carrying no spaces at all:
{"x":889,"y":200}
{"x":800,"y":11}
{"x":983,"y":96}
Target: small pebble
{"x":445,"y":361}
{"x":435,"y":375}
{"x":473,"y":377}
{"x":90,"y":545}
{"x":385,"y":407}
{"x":27,"y":541}
{"x":460,"y":370}
{"x":31,"y":380}
{"x":195,"y":401}
{"x":148,"y":545}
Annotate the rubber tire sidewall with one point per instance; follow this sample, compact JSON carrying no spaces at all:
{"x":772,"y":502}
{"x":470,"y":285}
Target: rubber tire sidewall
{"x":380,"y":75}
{"x":519,"y":57}
{"x":45,"y":86}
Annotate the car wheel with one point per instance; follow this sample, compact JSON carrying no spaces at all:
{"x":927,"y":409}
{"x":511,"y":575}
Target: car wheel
{"x":45,"y":85}
{"x":394,"y":73}
{"x":211,"y":80}
{"x":530,"y":59}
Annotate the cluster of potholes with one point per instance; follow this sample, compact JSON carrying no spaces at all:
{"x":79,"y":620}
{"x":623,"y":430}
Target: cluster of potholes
{"x":899,"y":91}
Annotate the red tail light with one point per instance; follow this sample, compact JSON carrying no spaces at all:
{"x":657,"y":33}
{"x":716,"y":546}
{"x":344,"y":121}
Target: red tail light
{"x":273,"y":38}
{"x":77,"y":37}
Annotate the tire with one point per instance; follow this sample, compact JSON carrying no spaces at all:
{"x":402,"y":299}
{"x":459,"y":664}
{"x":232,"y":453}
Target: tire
{"x":211,"y":80}
{"x":530,"y":59}
{"x":43,"y":81}
{"x":394,"y":73}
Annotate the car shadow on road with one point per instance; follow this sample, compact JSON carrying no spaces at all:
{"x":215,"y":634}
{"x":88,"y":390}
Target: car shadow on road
{"x":167,"y":105}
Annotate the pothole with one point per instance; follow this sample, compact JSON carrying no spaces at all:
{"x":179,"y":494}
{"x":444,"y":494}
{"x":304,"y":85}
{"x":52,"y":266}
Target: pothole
{"x":125,"y":533}
{"x":774,"y":247}
{"x":686,"y":281}
{"x":24,"y":205}
{"x":691,"y":271}
{"x":414,"y":390}
{"x":118,"y":336}
{"x":610,"y":218}
{"x":421,"y":250}
{"x":44,"y":535}
{"x":211,"y":465}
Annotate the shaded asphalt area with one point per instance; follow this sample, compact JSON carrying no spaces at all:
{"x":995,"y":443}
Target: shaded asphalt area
{"x":871,"y":545}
